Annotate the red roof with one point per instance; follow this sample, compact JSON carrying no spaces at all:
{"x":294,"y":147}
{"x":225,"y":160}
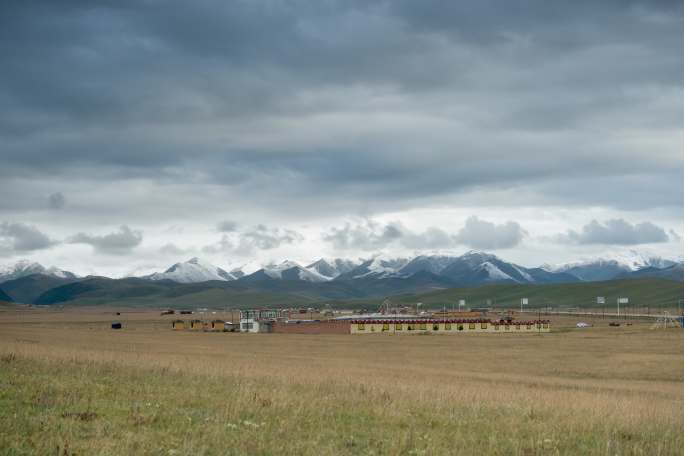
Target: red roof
{"x":441,"y":320}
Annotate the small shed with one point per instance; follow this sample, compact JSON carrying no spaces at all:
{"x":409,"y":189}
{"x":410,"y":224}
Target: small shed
{"x":218,"y":325}
{"x":116,"y":325}
{"x":229,"y":326}
{"x":178,"y":325}
{"x":196,"y":325}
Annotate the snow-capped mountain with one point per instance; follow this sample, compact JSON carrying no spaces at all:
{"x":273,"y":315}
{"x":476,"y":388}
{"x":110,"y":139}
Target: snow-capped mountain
{"x":332,"y":268}
{"x":471,"y":268}
{"x":193,"y":271}
{"x":612,"y":265}
{"x":287,"y":271}
{"x":674,"y":272}
{"x":291,"y":270}
{"x":237,"y":273}
{"x":433,"y":264}
{"x":479,"y":267}
{"x":378,"y":267}
{"x":23,"y":268}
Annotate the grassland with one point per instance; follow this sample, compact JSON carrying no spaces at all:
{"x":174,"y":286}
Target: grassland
{"x":70,"y":385}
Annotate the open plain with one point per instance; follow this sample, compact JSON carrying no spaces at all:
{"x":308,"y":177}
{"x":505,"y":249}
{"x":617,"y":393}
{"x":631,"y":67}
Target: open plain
{"x":71,"y":385}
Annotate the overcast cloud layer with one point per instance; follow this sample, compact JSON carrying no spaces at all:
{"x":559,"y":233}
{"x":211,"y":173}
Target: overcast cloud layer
{"x":134,"y":134}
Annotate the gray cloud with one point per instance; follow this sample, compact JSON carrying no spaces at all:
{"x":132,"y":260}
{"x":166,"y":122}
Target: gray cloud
{"x":368,"y":235}
{"x":118,"y":243}
{"x":21,"y":238}
{"x":476,"y":233}
{"x":276,"y":100}
{"x":260,"y":237}
{"x":265,"y":238}
{"x":298,"y":112}
{"x":224,"y":245}
{"x":481,"y":234}
{"x":226,"y":226}
{"x":56,"y":201}
{"x":172,"y":250}
{"x":674,"y":236}
{"x":618,"y":232}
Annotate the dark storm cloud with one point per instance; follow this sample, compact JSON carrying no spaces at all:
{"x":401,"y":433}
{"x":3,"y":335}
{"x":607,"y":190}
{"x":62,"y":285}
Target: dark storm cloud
{"x":118,"y":243}
{"x":476,"y":233}
{"x":314,"y":106}
{"x":22,"y":238}
{"x":619,"y":232}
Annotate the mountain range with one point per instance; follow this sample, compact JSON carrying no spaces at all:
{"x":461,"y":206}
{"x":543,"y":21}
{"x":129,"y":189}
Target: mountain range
{"x":23,"y":268}
{"x":379,"y":276}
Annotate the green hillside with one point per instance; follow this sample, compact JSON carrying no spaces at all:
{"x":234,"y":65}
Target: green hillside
{"x":642,"y":293}
{"x":4,"y":297}
{"x":141,"y":293}
{"x":29,"y":288}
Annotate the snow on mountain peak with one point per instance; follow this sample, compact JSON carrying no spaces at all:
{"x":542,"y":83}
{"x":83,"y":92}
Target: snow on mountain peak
{"x":23,"y":268}
{"x":494,"y":272}
{"x":192,"y":271}
{"x":629,"y":260}
{"x":306,"y":274}
{"x":332,"y":268}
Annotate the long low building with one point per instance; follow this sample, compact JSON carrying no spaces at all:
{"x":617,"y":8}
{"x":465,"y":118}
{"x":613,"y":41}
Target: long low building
{"x":446,"y":326}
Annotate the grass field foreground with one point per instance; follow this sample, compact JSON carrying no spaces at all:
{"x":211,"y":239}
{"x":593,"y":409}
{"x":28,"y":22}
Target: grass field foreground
{"x":147,"y":390}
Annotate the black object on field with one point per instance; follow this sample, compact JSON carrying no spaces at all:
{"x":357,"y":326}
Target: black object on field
{"x":116,"y":326}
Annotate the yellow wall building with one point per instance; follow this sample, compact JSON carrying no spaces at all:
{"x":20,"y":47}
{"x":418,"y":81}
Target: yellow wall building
{"x":196,"y":325}
{"x":447,"y":326}
{"x":218,"y":325}
{"x":178,"y":325}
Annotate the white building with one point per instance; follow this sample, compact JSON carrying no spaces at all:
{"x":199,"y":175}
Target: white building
{"x":257,"y":321}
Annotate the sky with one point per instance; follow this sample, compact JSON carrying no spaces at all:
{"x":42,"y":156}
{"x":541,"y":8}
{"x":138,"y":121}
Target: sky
{"x":137,"y":134}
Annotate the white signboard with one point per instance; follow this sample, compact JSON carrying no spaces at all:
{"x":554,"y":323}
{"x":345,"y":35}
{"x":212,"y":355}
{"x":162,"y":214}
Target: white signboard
{"x":623,"y":300}
{"x":524,"y":301}
{"x":600,"y":300}
{"x":461,"y":303}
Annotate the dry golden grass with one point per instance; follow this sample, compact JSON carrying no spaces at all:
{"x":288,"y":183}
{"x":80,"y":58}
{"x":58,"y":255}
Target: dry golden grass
{"x":599,"y":390}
